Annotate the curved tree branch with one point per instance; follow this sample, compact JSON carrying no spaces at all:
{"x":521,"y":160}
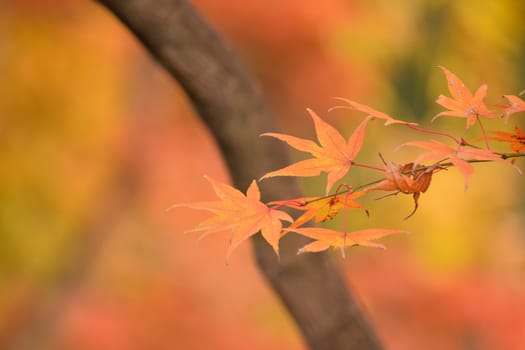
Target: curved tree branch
{"x":310,"y":286}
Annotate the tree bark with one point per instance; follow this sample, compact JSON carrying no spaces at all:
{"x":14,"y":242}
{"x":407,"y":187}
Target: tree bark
{"x":310,"y":285}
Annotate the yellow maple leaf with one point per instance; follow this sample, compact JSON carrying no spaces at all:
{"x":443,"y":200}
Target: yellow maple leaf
{"x":321,"y":209}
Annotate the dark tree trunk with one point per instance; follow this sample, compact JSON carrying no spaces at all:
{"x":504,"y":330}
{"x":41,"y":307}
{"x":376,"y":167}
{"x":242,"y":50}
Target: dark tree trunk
{"x":311,"y":285}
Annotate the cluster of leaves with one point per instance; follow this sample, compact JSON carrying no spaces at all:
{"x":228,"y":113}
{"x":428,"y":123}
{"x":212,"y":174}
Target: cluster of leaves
{"x":245,"y":215}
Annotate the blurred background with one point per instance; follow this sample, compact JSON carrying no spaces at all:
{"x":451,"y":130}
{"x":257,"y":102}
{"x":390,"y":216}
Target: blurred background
{"x":97,"y":141}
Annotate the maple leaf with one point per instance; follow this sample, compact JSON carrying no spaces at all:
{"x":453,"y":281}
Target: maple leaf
{"x":459,"y":156}
{"x":516,"y":140}
{"x":243,"y":215}
{"x":334,"y":155}
{"x":326,"y":238}
{"x":321,"y":209}
{"x":411,"y":178}
{"x":370,"y":111}
{"x":516,"y":105}
{"x":463,"y":104}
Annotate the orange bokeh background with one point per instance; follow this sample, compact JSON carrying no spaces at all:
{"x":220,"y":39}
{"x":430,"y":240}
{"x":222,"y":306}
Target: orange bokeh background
{"x":84,"y":110}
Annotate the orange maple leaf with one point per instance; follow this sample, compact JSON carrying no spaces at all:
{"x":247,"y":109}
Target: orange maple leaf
{"x":459,"y":156}
{"x":516,"y":105}
{"x":516,"y":140}
{"x":243,"y":215}
{"x":411,"y":178}
{"x":326,"y":238}
{"x":334,"y":155}
{"x":370,"y":111}
{"x":463,"y":104}
{"x":321,"y":209}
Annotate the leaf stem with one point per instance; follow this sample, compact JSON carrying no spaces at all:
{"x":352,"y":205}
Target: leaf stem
{"x":483,"y":132}
{"x":428,"y":131}
{"x":511,"y":155}
{"x":367,"y":166}
{"x":440,"y":165}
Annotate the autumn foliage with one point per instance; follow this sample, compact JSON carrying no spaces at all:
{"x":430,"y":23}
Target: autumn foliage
{"x":245,"y":215}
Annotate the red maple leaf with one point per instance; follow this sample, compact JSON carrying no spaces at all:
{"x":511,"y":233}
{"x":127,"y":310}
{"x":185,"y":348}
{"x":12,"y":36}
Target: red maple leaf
{"x":459,"y":157}
{"x":463,"y":104}
{"x":411,"y":178}
{"x":242,"y":215}
{"x":516,"y":105}
{"x":326,"y":238}
{"x":334,"y":155}
{"x":516,"y":140}
{"x":370,"y":111}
